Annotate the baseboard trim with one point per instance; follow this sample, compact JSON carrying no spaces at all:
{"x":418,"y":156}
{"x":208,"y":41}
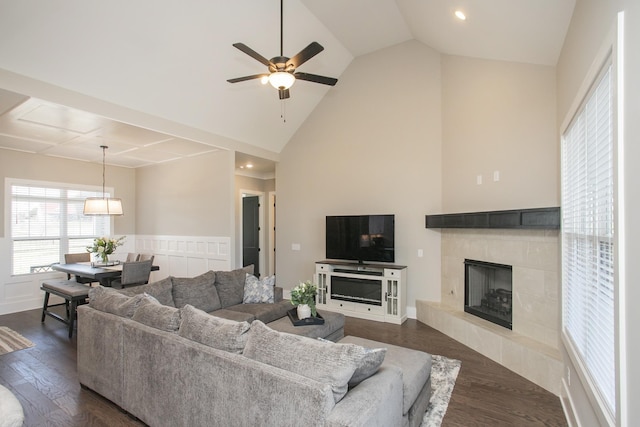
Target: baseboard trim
{"x":568,"y":406}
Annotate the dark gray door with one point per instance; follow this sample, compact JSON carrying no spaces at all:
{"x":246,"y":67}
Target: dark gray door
{"x":251,"y":233}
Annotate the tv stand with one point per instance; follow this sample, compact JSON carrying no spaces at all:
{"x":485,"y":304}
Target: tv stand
{"x":368,"y":291}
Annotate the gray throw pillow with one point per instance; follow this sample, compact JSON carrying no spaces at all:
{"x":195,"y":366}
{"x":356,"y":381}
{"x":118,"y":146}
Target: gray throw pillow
{"x":327,"y":363}
{"x":369,"y":365}
{"x":156,"y":315}
{"x":111,"y":301}
{"x":257,"y":291}
{"x":212,"y":331}
{"x":372,"y":358}
{"x":230,"y":285}
{"x":160,"y":290}
{"x":199,"y":291}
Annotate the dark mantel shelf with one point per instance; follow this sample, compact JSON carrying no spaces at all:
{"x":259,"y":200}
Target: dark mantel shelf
{"x":537,"y":219}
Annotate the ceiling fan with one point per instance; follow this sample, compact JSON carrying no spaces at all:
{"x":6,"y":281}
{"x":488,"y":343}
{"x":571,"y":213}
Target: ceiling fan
{"x":282,"y":70}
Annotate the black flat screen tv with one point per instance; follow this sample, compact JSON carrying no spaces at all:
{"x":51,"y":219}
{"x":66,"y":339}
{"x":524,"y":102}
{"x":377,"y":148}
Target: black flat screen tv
{"x":362,"y":238}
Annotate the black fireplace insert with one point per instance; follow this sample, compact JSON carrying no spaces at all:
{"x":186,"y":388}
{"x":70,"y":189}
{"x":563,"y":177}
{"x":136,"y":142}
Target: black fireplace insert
{"x":488,"y":291}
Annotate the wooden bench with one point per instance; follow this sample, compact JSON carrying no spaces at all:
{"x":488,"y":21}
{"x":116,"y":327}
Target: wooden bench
{"x":74,"y":294}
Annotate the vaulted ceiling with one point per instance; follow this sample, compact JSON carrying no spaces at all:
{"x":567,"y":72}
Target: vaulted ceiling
{"x":172,"y":60}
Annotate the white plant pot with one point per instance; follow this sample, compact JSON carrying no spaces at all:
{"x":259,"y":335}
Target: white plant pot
{"x":304,"y":311}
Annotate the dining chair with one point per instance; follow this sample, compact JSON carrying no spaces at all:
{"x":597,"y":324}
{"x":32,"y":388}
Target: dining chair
{"x":133,"y":274}
{"x":145,"y":257}
{"x":132,"y":257}
{"x":76,"y":258}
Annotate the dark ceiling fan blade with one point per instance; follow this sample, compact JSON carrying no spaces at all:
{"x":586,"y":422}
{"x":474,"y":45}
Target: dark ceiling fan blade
{"x":283,"y":93}
{"x":316,"y":78}
{"x":252,"y":53}
{"x":245,"y":78}
{"x":305,"y":54}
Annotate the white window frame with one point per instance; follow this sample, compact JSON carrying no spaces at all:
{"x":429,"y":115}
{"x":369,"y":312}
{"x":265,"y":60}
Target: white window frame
{"x":606,"y":412}
{"x":63,"y":237}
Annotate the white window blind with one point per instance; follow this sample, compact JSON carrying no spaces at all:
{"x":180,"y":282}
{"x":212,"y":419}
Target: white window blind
{"x":47,"y":222}
{"x":588,"y":237}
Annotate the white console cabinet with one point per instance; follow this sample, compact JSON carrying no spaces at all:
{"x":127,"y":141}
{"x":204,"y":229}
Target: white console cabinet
{"x":368,"y":291}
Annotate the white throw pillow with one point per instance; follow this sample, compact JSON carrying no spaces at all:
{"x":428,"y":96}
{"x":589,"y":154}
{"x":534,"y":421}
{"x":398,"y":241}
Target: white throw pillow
{"x":257,"y":291}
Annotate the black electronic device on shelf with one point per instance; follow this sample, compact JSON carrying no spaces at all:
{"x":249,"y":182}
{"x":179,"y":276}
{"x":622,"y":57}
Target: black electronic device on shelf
{"x":361,"y":238}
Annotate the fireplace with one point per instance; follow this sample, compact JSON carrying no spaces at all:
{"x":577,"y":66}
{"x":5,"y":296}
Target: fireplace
{"x":356,"y":289}
{"x":488,"y":291}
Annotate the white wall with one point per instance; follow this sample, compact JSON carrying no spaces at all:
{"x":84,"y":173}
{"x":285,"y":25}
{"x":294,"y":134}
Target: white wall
{"x":498,"y":116}
{"x":371,"y":147}
{"x":630,"y":315}
{"x":190,"y":197}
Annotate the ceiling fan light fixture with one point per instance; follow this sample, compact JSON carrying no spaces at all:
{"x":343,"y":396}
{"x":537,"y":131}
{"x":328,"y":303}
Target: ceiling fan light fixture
{"x":281,"y":80}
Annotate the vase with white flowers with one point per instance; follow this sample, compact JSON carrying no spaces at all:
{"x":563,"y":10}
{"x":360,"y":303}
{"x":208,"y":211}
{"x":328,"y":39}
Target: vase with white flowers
{"x":304,"y":297}
{"x":105,"y":246}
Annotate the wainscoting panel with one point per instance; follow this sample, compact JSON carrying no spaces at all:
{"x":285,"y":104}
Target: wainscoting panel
{"x":180,"y":256}
{"x":185,"y":256}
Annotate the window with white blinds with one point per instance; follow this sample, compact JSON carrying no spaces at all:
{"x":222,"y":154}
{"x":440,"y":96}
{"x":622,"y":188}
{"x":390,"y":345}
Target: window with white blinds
{"x":47,"y":222}
{"x":588,"y":237}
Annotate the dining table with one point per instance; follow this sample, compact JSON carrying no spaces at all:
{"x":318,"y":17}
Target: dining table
{"x":103,"y":274}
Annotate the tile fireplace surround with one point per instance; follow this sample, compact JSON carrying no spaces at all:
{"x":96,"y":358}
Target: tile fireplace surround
{"x":531,"y":349}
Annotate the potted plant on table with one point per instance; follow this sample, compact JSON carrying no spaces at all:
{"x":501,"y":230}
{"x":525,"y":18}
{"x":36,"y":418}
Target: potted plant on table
{"x":105,"y":246}
{"x":304,"y":297}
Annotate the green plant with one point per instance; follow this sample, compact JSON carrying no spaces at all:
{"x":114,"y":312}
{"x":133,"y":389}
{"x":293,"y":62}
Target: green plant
{"x":104,"y":246}
{"x":305,"y":293}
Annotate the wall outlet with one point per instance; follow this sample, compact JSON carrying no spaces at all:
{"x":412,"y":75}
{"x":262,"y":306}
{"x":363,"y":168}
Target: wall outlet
{"x":420,"y":253}
{"x":496,"y":176}
{"x":479,"y":179}
{"x":295,"y":246}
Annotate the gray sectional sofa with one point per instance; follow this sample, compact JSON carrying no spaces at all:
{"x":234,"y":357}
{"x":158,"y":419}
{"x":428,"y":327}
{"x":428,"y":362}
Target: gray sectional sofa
{"x":170,"y":363}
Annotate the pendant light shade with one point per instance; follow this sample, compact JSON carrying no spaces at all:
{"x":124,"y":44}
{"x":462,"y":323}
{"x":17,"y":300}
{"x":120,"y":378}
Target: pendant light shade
{"x":103,"y":205}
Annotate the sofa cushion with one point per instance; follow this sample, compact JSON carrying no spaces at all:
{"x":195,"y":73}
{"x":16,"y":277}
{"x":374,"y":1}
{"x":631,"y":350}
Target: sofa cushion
{"x":230,"y":285}
{"x":160,"y":290}
{"x":111,"y":301}
{"x":156,"y":315}
{"x":327,"y":363}
{"x":198,"y":291}
{"x":265,"y":313}
{"x":212,"y":331}
{"x":415,"y":366}
{"x":229,"y":314}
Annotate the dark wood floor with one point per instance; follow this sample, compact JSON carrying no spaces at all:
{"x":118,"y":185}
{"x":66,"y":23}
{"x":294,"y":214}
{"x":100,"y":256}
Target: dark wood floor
{"x":45,"y":381}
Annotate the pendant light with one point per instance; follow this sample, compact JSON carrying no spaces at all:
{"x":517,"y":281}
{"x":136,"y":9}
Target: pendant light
{"x":102,"y":205}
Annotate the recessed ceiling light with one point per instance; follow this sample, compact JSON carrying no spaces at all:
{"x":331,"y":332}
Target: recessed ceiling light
{"x":460,"y":15}
{"x":249,"y":165}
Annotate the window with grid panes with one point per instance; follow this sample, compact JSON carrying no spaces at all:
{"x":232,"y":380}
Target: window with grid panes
{"x":588,"y":263}
{"x":47,"y":222}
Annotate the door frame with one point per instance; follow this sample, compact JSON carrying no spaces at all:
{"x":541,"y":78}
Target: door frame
{"x":272,"y":233}
{"x":261,"y":238}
